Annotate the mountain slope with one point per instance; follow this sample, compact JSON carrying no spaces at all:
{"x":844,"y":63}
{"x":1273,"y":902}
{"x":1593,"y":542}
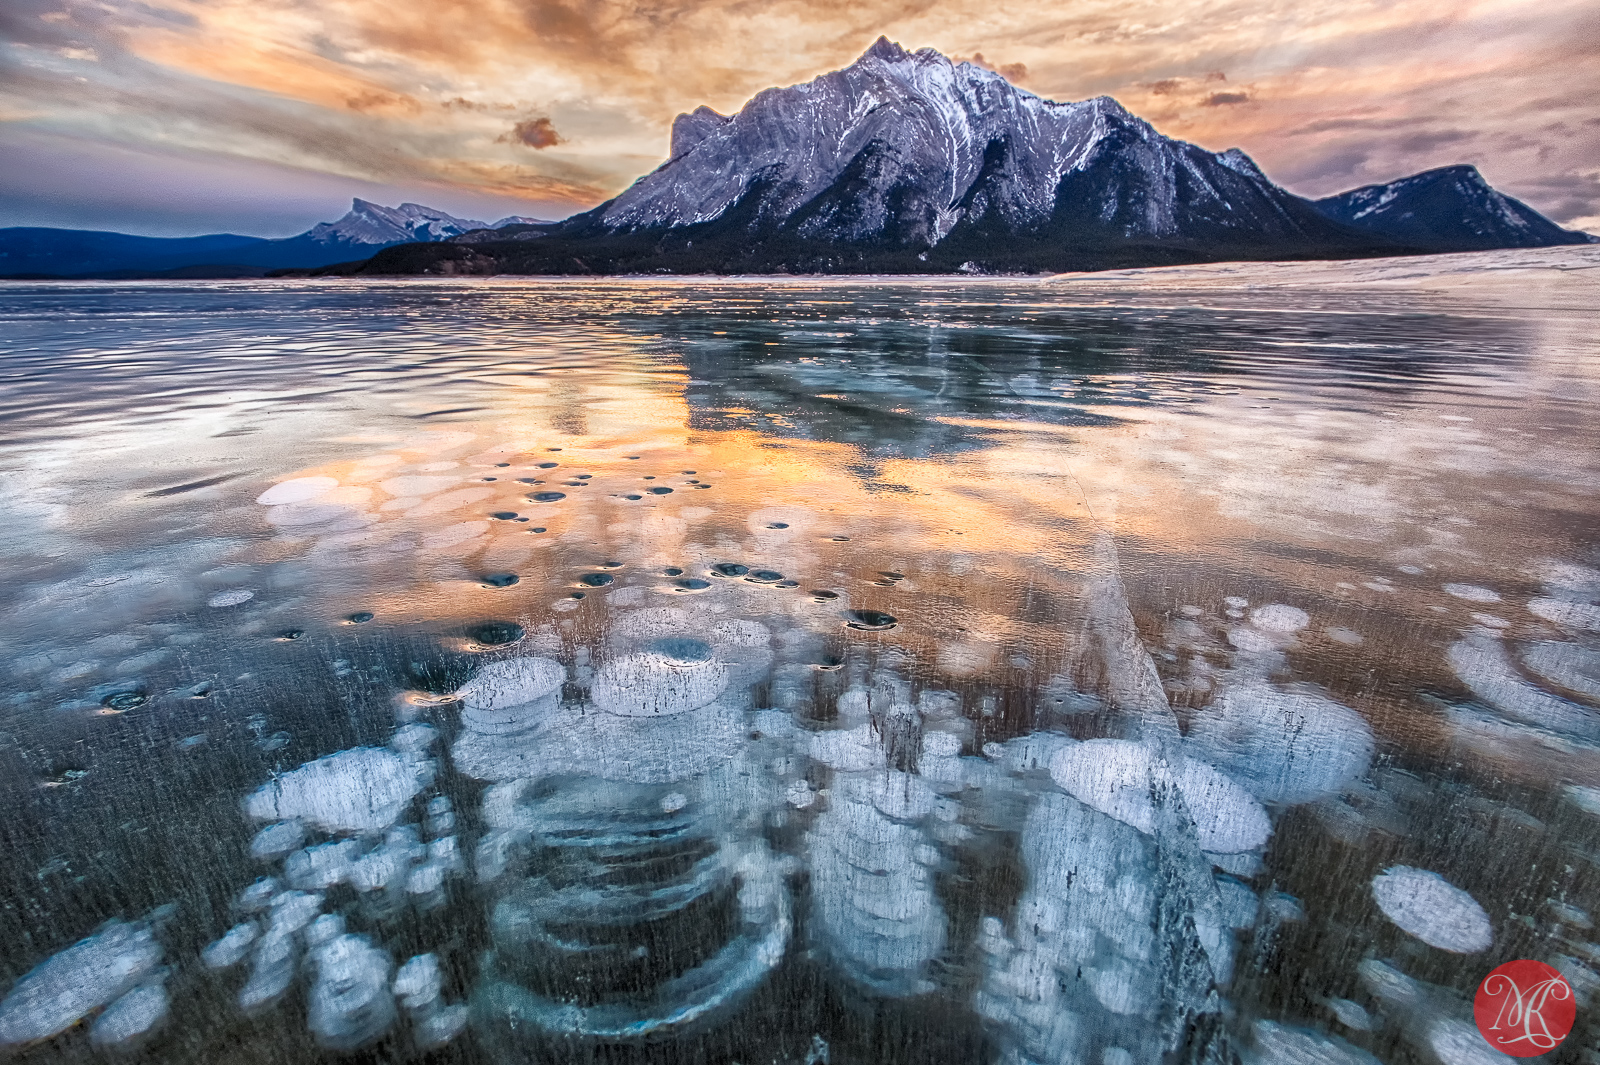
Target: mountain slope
{"x":365,"y":229}
{"x":1448,"y":209}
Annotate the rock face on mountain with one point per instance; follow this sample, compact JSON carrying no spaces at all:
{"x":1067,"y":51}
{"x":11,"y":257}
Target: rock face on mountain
{"x":1448,"y":209}
{"x":367,"y":228}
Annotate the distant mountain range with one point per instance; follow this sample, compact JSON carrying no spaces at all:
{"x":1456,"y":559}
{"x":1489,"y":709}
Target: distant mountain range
{"x":910,"y":163}
{"x":368,"y":228}
{"x":903,"y":162}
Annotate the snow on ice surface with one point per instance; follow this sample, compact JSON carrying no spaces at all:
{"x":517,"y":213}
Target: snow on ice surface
{"x":1116,"y":778}
{"x":360,"y":790}
{"x":1429,"y":907}
{"x":58,"y":992}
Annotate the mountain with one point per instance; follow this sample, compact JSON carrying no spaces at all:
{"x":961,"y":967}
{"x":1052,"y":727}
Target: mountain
{"x":367,"y":228}
{"x":908,"y":161}
{"x":1448,"y":209}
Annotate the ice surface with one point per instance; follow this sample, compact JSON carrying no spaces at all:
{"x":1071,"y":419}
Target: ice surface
{"x":1431,"y":908}
{"x":55,"y":994}
{"x":276,"y":840}
{"x":1116,"y":777}
{"x":360,"y":790}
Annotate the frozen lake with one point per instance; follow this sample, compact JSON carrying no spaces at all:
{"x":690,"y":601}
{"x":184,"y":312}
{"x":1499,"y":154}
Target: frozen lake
{"x":1200,"y":666}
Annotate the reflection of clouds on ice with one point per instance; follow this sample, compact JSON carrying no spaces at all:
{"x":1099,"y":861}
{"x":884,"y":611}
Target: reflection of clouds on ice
{"x":109,"y":966}
{"x":1429,"y":907}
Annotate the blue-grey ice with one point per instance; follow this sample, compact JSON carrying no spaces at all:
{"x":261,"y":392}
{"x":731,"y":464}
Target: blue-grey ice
{"x":1285,"y":746}
{"x":364,"y":789}
{"x":132,"y":1015}
{"x":1431,"y":908}
{"x":61,"y":990}
{"x":1116,"y":777}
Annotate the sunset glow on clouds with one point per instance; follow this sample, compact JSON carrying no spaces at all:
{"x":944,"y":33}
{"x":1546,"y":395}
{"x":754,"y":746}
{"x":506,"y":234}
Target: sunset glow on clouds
{"x":273,"y":112}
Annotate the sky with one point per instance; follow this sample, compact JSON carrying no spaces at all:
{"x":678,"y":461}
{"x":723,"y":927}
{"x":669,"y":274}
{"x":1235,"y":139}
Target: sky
{"x":178,"y":117}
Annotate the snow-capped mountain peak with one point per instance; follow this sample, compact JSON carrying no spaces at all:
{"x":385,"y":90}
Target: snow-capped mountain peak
{"x":373,"y":223}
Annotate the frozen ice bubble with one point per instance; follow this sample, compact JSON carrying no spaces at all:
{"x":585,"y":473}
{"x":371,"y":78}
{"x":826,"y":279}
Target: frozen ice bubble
{"x":1472,"y":593}
{"x":59,"y":991}
{"x":1239,"y":903}
{"x":902,"y":796}
{"x":1429,"y":907}
{"x":132,"y":1015}
{"x":1484,"y":666}
{"x":1284,"y":746}
{"x":848,"y":749}
{"x":231,"y":597}
{"x":1568,"y":665}
{"x":271,"y":970}
{"x":414,"y":739}
{"x":296,"y":490}
{"x":360,"y":790}
{"x":799,"y":795}
{"x":1279,"y":617}
{"x":293,"y":910}
{"x":673,"y":676}
{"x":441,"y":1025}
{"x":1567,"y":615}
{"x":1235,"y":602}
{"x":259,"y":895}
{"x":1351,"y":1014}
{"x":512,"y":695}
{"x":1457,"y":1042}
{"x":1279,"y":1044}
{"x":232,"y":947}
{"x":277,"y":840}
{"x":417,"y":985}
{"x":350,"y":1003}
{"x":324,"y":929}
{"x":1583,"y":797}
{"x":1387,"y":983}
{"x":1115,"y":777}
{"x":321,"y":866}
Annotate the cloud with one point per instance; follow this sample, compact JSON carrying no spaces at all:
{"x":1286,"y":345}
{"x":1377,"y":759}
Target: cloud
{"x":1338,"y":92}
{"x":534,"y":132}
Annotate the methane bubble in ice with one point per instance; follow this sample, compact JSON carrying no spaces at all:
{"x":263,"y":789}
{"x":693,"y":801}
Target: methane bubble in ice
{"x":671,"y":676}
{"x":1116,"y":778}
{"x":350,"y":1003}
{"x":497,"y":633}
{"x":274,"y":841}
{"x":1481,"y":661}
{"x":130,"y":1016}
{"x":1472,"y":593}
{"x":58,"y":992}
{"x":1284,"y":746}
{"x":297,"y":490}
{"x":1568,"y":665}
{"x":359,"y":790}
{"x":1279,"y":618}
{"x":1429,"y":907}
{"x":232,"y":597}
{"x":1567,"y":615}
{"x":232,"y":947}
{"x":1279,"y":1044}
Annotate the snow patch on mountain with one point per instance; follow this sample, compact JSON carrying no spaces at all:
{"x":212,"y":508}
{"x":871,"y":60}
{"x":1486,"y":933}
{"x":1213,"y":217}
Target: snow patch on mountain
{"x":373,"y":223}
